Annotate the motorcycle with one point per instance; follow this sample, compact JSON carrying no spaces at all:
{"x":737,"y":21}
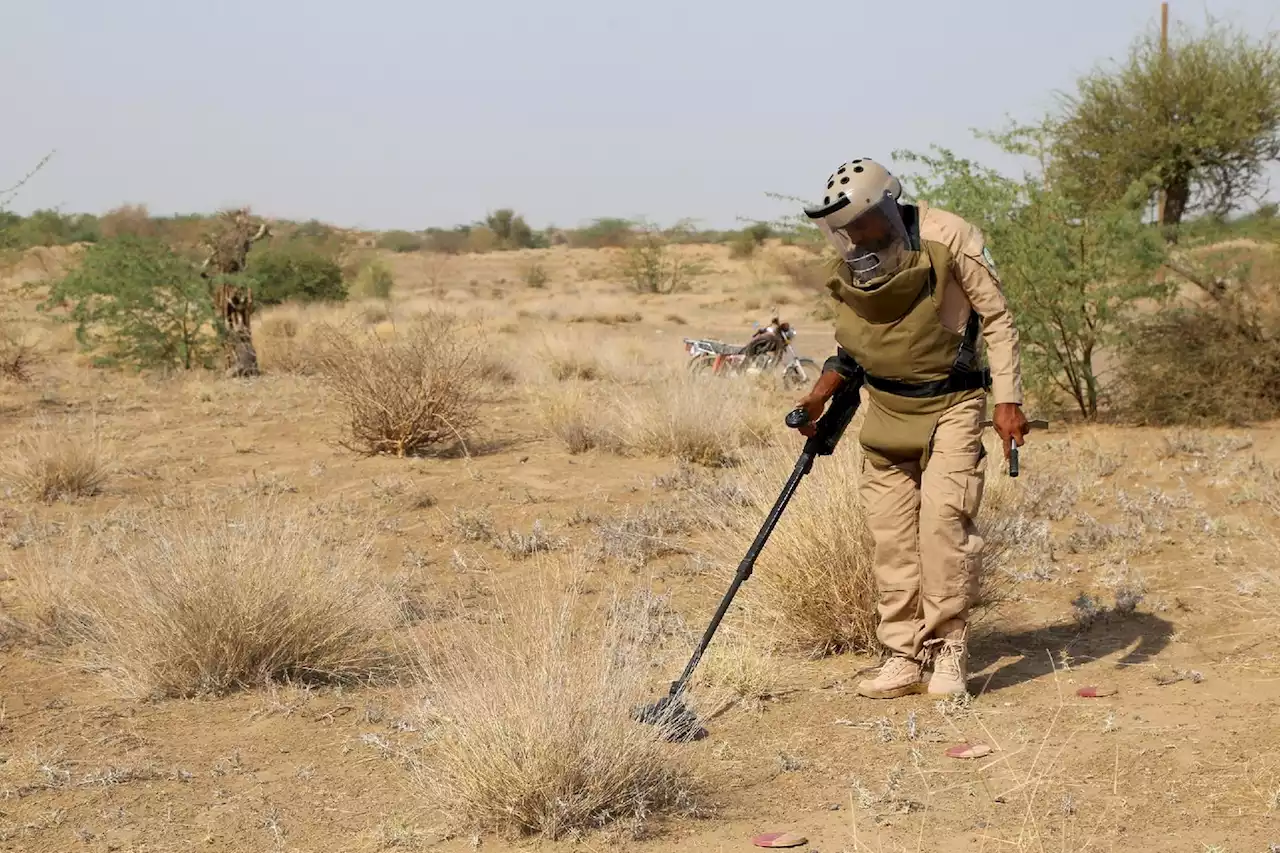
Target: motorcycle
{"x":768,"y":349}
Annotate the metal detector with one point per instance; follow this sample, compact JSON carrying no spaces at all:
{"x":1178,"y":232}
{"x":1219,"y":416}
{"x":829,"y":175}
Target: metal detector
{"x":670,"y":712}
{"x":1013,"y":445}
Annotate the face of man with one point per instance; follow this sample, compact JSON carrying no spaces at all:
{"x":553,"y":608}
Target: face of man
{"x":871,"y":231}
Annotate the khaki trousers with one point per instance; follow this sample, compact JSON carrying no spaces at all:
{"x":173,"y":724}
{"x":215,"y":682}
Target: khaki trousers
{"x":928,"y":554}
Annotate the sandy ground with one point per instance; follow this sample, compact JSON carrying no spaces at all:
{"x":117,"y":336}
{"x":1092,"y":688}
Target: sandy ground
{"x":1184,"y":756}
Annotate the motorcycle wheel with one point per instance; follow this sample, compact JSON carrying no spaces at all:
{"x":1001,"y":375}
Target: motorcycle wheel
{"x":702,"y":363}
{"x":793,"y":378}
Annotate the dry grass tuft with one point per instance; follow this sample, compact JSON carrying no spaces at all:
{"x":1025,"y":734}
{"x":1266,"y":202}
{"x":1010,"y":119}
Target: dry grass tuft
{"x":568,"y":413}
{"x":581,"y":356}
{"x":707,"y":422}
{"x":735,"y":671}
{"x":202,"y":603}
{"x":51,"y":465}
{"x":700,"y":420}
{"x":285,"y":336}
{"x":531,"y":722}
{"x":415,"y":393}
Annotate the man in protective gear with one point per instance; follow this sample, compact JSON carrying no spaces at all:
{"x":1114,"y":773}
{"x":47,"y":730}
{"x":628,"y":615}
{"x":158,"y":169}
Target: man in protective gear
{"x":915,"y":288}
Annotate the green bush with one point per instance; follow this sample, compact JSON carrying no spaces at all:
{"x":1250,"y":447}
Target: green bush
{"x":47,"y":228}
{"x":649,"y":266}
{"x":400,"y":241}
{"x":294,"y":272}
{"x":450,"y":242}
{"x":603,"y":233}
{"x":136,"y":301}
{"x":374,"y":281}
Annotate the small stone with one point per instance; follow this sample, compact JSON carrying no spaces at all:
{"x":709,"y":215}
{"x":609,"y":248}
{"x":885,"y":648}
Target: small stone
{"x":834,"y":807}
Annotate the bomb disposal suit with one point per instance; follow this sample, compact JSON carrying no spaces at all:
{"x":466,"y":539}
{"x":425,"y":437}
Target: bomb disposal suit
{"x":916,"y":293}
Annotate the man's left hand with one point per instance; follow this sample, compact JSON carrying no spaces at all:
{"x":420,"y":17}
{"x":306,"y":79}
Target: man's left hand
{"x":1010,"y":424}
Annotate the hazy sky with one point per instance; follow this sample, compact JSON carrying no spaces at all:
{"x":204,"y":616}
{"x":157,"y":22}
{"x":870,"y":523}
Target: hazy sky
{"x":400,"y":114}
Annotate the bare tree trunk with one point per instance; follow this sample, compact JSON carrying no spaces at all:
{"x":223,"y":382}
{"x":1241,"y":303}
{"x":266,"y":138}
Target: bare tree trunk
{"x":233,"y":304}
{"x":1177,"y":189}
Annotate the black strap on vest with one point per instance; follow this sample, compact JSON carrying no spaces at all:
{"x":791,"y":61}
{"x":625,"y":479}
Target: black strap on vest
{"x":964,"y":373}
{"x":958,"y":381}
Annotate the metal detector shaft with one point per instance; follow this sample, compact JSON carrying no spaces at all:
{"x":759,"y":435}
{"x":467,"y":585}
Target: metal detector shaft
{"x":828,"y":430}
{"x":803,"y":466}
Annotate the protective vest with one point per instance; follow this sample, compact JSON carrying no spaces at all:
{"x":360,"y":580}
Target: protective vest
{"x":915,"y":367}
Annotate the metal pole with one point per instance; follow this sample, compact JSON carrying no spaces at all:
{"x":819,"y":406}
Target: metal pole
{"x":1164,"y":58}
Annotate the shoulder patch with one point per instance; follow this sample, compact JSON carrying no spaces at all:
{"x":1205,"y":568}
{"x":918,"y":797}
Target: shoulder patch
{"x":990,"y":261}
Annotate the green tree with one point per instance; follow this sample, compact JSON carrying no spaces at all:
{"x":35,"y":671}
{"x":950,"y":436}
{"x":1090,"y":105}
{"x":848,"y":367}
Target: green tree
{"x":1203,"y":118}
{"x":137,"y":301}
{"x":1069,"y":274}
{"x":294,"y":271}
{"x":511,"y":229}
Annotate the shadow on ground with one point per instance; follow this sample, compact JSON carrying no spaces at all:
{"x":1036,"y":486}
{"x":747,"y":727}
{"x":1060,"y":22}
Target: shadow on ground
{"x":1141,"y":636}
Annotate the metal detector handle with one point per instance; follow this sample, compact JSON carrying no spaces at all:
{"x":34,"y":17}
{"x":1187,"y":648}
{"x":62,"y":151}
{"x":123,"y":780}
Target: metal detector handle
{"x":1038,"y":423}
{"x":831,"y":426}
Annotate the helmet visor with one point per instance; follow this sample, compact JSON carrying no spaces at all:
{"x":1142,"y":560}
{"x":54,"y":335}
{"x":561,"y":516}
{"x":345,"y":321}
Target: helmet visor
{"x":873,"y":242}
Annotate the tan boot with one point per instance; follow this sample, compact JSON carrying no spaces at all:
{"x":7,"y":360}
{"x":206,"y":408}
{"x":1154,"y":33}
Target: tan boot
{"x":900,"y":676}
{"x":950,"y":658}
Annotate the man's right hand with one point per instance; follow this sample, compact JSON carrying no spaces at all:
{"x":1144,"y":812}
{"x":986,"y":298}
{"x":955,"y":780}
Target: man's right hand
{"x":813,"y":407}
{"x":815,"y":402}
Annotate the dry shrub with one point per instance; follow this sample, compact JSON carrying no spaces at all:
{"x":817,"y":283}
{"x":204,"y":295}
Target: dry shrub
{"x":1204,"y":368}
{"x":499,"y":368}
{"x":640,"y":536}
{"x":415,"y":393}
{"x":814,"y":590}
{"x":51,"y":464}
{"x":200,"y":603}
{"x":128,"y":220}
{"x":19,"y":355}
{"x":531,"y":722}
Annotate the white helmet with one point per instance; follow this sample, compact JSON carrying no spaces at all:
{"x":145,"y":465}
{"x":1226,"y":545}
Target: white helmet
{"x":859,"y":216}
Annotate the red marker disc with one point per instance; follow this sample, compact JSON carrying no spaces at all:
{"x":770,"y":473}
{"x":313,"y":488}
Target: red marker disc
{"x":779,"y":839}
{"x":969,"y":750}
{"x":1095,"y":692}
